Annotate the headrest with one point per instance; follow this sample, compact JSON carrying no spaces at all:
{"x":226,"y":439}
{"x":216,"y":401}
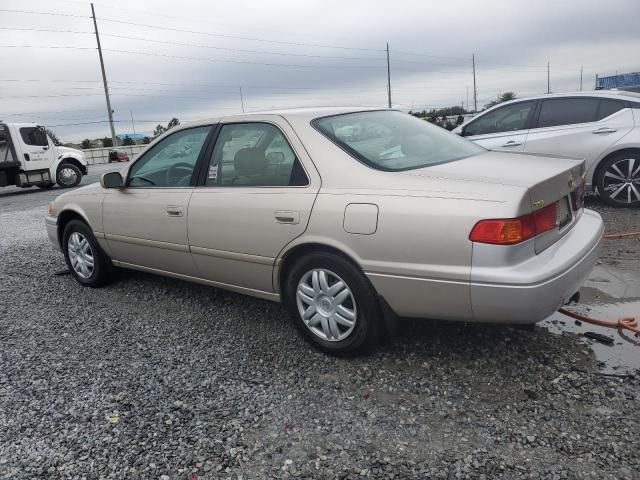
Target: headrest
{"x":250,"y":161}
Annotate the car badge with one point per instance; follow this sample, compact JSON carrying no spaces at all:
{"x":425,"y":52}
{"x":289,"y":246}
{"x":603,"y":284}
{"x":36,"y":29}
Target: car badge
{"x":539,"y":203}
{"x":571,"y":181}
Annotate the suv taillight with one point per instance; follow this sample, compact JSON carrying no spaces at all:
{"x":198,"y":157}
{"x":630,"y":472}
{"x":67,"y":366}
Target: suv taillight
{"x":509,"y":231}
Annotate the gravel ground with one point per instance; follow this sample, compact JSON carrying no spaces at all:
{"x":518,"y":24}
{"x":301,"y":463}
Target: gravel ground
{"x":156,"y":378}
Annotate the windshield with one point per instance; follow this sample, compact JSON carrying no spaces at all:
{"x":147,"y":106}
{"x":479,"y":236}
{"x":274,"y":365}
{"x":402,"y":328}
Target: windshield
{"x":392,"y":141}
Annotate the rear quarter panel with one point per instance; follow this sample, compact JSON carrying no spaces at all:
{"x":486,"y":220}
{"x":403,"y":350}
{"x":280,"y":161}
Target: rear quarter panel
{"x":419,"y":257}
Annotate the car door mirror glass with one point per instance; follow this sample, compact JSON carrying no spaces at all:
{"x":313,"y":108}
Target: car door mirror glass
{"x":111,"y":180}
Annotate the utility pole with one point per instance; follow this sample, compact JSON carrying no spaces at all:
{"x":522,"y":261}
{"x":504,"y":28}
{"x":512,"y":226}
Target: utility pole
{"x":241,"y":99}
{"x":548,"y":83}
{"x":467,"y":98}
{"x":388,"y":78}
{"x":133,"y":125}
{"x":475,"y":91}
{"x":104,"y":78}
{"x":580,"y":77}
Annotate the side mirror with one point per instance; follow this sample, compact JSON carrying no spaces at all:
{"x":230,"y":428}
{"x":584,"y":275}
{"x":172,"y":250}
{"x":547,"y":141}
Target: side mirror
{"x":111,"y":180}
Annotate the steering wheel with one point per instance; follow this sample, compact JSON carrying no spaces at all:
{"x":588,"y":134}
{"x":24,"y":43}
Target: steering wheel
{"x":172,"y":174}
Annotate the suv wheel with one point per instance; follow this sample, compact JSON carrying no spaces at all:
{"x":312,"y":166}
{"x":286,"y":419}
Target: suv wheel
{"x":333,"y":304}
{"x":618,"y":180}
{"x":88,"y":263}
{"x":68,"y":175}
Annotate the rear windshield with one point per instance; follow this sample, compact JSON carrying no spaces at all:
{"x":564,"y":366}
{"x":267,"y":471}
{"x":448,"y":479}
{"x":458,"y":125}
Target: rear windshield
{"x":392,"y":141}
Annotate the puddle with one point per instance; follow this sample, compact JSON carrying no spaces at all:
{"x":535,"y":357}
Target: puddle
{"x":621,"y":357}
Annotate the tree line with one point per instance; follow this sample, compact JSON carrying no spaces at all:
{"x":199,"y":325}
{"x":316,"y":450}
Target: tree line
{"x":107,"y":142}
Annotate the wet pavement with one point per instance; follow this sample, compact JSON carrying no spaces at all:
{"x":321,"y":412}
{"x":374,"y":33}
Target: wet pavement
{"x":609,"y":294}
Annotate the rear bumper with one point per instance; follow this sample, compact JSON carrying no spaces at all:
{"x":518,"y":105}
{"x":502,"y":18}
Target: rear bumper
{"x":52,"y":231}
{"x":533,"y":289}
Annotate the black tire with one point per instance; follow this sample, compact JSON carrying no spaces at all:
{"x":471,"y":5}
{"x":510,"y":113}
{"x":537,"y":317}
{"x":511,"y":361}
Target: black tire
{"x":103,"y":270}
{"x":68,"y":175}
{"x":368,"y":329}
{"x":46,"y":186}
{"x":616,"y":192}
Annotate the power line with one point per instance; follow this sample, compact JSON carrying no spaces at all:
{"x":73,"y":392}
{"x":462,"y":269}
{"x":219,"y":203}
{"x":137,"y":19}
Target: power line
{"x":240,"y":50}
{"x":54,"y":14}
{"x":205,"y":59}
{"x":253,"y":39}
{"x":59,"y":47}
{"x":184,"y":44}
{"x":51,"y":30}
{"x":245,"y":62}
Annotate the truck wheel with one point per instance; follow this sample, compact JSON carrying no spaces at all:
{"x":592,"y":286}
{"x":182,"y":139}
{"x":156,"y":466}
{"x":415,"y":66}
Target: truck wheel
{"x":88,"y":263}
{"x":68,"y":175}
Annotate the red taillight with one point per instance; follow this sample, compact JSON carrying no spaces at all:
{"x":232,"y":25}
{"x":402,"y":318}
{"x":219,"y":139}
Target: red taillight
{"x":546,"y":218}
{"x":515,"y":230}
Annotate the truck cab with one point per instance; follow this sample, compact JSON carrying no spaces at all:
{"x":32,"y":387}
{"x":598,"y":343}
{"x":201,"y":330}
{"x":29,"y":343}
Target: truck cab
{"x":28,"y":157}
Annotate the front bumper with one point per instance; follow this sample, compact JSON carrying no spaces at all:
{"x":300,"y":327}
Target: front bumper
{"x":531,"y":290}
{"x":52,"y":232}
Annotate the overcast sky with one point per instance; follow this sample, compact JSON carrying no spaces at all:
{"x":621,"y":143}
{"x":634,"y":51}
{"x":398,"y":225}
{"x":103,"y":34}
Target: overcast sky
{"x":295,"y":53}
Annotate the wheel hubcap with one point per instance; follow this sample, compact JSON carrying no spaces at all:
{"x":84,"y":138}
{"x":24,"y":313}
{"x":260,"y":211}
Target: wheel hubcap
{"x":68,"y":176}
{"x":326,"y":305}
{"x":80,"y":255}
{"x":622,"y":180}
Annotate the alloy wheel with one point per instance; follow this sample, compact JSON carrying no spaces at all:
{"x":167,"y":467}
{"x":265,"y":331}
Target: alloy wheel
{"x":326,"y":305}
{"x":621,"y":181}
{"x":80,"y":255}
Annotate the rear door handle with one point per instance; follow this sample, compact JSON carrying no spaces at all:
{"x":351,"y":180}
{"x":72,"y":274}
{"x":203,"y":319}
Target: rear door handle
{"x":174,"y":210}
{"x":287,"y":216}
{"x":512,"y":143}
{"x":604,"y":130}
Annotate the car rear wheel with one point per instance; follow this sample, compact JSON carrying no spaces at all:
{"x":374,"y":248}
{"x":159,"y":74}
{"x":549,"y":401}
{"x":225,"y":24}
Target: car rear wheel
{"x":86,"y":260}
{"x":68,"y":175}
{"x":618,"y":180}
{"x":333,"y":304}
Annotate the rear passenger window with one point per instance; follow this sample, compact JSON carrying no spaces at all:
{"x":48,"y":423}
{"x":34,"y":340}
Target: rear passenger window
{"x":254,"y":154}
{"x":567,"y":111}
{"x":609,"y":107}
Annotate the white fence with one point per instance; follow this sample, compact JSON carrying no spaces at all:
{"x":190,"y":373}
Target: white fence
{"x":101,"y":155}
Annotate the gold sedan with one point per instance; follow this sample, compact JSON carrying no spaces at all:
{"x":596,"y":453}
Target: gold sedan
{"x":351,"y":218}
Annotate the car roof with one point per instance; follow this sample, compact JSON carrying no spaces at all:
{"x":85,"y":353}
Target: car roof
{"x":589,"y":93}
{"x":306,"y":113}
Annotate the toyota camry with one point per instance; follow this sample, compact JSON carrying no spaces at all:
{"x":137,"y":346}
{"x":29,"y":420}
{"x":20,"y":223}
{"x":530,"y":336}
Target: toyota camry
{"x":351,"y":218}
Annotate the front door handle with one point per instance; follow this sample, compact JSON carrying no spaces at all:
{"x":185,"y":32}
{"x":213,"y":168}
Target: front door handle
{"x":604,"y":130}
{"x":512,"y":143}
{"x":174,"y":210}
{"x":287,"y":216}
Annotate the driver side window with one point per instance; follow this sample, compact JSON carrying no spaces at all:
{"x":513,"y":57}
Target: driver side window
{"x":506,"y":119}
{"x":171,"y":162}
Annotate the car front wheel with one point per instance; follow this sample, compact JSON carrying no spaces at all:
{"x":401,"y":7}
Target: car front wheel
{"x":333,"y":304}
{"x":86,"y":260}
{"x":68,"y":175}
{"x":618,"y":180}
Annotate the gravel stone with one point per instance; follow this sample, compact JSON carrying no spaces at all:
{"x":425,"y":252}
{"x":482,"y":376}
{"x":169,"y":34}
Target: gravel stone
{"x":153,"y":378}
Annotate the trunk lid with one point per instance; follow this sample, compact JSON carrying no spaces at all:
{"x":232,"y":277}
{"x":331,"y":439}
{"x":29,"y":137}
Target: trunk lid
{"x":547,"y":180}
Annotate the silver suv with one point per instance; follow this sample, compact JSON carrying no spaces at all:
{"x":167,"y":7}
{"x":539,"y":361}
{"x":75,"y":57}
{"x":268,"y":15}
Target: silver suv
{"x":603,"y":127}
